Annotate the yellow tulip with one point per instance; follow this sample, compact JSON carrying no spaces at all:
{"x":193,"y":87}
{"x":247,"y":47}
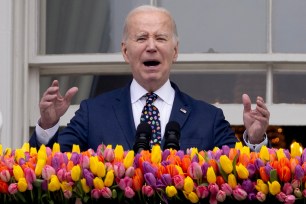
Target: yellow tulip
{"x":274,"y":187}
{"x":179,"y":169}
{"x":226,"y":164}
{"x":280,"y":153}
{"x":242,"y":171}
{"x":98,"y":183}
{"x":119,"y":152}
{"x":238,"y":145}
{"x":85,"y":187}
{"x":18,"y":172}
{"x":193,"y":152}
{"x":33,"y":151}
{"x":56,"y":148}
{"x":201,"y":159}
{"x":93,"y":164}
{"x":26,"y":147}
{"x":215,"y":149}
{"x":232,"y":180}
{"x":156,"y":154}
{"x":295,"y":149}
{"x":1,"y":151}
{"x":211,"y":176}
{"x":171,"y":191}
{"x":76,"y":148}
{"x":188,"y":184}
{"x":54,"y":184}
{"x":76,"y":173}
{"x":42,"y":152}
{"x":19,"y":153}
{"x":129,"y":159}
{"x":22,"y":185}
{"x":101,"y":170}
{"x":8,"y":151}
{"x":264,"y":153}
{"x":109,"y":178}
{"x":39,"y":166}
{"x":245,"y":150}
{"x":65,"y":186}
{"x":262,"y":186}
{"x":193,"y":197}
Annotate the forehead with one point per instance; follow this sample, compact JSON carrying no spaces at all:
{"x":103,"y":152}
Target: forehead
{"x":150,"y":21}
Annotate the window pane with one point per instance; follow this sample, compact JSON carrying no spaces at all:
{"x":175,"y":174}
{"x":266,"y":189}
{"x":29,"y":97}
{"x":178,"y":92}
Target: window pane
{"x":288,"y":24}
{"x":289,"y":87}
{"x":82,"y":26}
{"x":220,"y":26}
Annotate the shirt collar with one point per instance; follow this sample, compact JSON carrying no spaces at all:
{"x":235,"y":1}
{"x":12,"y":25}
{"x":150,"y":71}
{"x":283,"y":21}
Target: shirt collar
{"x":165,"y":93}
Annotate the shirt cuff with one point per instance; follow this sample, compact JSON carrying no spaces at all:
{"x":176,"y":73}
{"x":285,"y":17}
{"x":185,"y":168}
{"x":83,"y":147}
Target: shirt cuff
{"x":44,"y":136}
{"x":255,"y":147}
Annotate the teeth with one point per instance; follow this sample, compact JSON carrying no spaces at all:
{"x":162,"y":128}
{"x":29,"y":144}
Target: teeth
{"x":151,"y":63}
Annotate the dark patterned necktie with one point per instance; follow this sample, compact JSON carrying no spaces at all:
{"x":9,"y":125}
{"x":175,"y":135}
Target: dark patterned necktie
{"x":150,"y":115}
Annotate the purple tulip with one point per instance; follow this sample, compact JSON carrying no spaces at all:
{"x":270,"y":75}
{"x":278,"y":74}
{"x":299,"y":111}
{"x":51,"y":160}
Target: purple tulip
{"x":166,"y":179}
{"x":148,"y":168}
{"x":75,"y":158}
{"x":259,"y":163}
{"x":89,"y":176}
{"x":165,"y":154}
{"x":150,"y":179}
{"x":298,"y":172}
{"x":56,"y":163}
{"x":204,"y":168}
{"x":303,"y":156}
{"x":247,"y":185}
{"x":251,"y":169}
{"x":287,"y":153}
{"x":268,"y":169}
{"x":252,"y":196}
{"x":180,"y":154}
{"x":136,"y":160}
{"x":195,"y":159}
{"x":225,"y":150}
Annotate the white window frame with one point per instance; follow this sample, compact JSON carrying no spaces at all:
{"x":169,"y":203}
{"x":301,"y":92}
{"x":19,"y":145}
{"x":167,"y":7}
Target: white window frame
{"x":281,"y":114}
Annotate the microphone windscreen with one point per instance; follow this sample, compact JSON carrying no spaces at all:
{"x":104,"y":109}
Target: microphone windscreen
{"x":173,"y":126}
{"x":144,"y":128}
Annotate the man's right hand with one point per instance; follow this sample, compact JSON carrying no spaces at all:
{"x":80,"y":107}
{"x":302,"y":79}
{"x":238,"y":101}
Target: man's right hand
{"x":53,"y":105}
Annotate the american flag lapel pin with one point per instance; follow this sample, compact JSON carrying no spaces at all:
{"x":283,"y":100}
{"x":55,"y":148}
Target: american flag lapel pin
{"x":183,"y":110}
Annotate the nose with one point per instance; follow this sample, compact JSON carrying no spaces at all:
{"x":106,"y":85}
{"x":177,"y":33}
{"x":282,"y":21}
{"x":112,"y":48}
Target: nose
{"x":151,"y":46}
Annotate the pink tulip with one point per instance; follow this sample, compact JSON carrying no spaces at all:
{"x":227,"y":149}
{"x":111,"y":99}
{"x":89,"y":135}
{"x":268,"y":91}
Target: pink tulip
{"x":84,"y":162}
{"x":125,"y":182}
{"x":281,"y":197}
{"x":129,"y":192}
{"x":95,"y":193}
{"x":29,"y":175}
{"x":13,"y":188}
{"x":119,"y":170}
{"x":109,"y":154}
{"x":202,"y":191}
{"x":61,"y":174}
{"x":290,"y":199}
{"x":130,"y":172}
{"x":67,"y":194}
{"x":260,"y":196}
{"x":221,"y":196}
{"x":227,"y":189}
{"x":239,"y":194}
{"x":5,"y":175}
{"x":178,"y":181}
{"x":195,"y":171}
{"x":213,"y":188}
{"x":47,"y":172}
{"x":106,"y":192}
{"x":147,"y":191}
{"x":296,"y":183}
{"x":287,"y":188}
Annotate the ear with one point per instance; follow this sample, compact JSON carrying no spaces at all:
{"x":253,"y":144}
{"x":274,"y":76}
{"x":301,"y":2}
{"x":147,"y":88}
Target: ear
{"x":175,"y":55}
{"x":124,"y":52}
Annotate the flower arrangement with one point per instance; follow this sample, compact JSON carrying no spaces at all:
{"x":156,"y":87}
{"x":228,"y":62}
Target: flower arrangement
{"x":116,"y":176}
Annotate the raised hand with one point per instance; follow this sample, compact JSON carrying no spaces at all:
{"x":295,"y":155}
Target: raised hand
{"x":256,"y":121}
{"x":53,"y":105}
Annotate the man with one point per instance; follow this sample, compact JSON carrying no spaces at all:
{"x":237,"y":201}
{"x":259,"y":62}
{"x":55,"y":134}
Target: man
{"x":150,"y":46}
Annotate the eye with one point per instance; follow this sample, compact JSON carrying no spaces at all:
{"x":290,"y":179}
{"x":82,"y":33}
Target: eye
{"x":141,"y":39}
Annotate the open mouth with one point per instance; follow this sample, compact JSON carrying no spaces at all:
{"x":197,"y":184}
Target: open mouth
{"x":151,"y":63}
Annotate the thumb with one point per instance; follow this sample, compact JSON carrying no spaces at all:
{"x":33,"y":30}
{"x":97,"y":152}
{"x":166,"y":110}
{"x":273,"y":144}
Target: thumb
{"x":70,"y":93}
{"x":246,"y":103}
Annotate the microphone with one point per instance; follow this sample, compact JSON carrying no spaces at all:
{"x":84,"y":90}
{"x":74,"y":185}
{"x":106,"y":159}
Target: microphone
{"x":143,"y":137}
{"x":172,"y":135}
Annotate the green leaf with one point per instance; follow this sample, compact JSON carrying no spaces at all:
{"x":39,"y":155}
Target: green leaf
{"x":222,"y":172}
{"x":273,"y":175}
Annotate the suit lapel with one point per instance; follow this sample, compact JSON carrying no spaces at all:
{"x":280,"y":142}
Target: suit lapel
{"x":124,"y":115}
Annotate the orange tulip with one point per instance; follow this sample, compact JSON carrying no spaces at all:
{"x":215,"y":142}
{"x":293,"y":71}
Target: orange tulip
{"x":284,"y":173}
{"x":232,"y":153}
{"x":244,"y":159}
{"x":137,"y":180}
{"x":264,"y":176}
{"x":293,"y":163}
{"x":213,"y":164}
{"x":186,"y":161}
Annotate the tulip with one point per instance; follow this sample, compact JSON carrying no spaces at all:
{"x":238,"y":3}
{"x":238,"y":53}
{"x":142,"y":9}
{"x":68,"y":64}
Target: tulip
{"x":19,"y":154}
{"x":109,"y":178}
{"x":156,"y":154}
{"x":297,"y":192}
{"x":284,"y":173}
{"x":54,"y":184}
{"x":119,"y":152}
{"x":76,"y":149}
{"x":213,"y":188}
{"x":263,"y":174}
{"x":262,"y":187}
{"x":192,"y":196}
{"x":232,"y":180}
{"x":150,"y":179}
{"x":13,"y":188}
{"x":98,"y":183}
{"x":195,"y":171}
{"x":95,"y":193}
{"x":22,"y":185}
{"x":260,"y":196}
{"x":148,"y":168}
{"x":239,"y":194}
{"x":259,"y":163}
{"x":178,"y":181}
{"x":251,"y":169}
{"x":287,"y":188}
{"x":93,"y":164}
{"x":39,"y":166}
{"x":304,"y":193}
{"x":295,"y":183}
{"x":76,"y":173}
{"x":225,"y":149}
{"x":42,"y":153}
{"x":280,"y":153}
{"x":202,"y":191}
{"x":101,"y":169}
{"x":274,"y":187}
{"x":247,"y":185}
{"x":5,"y":175}
{"x":166,"y":180}
{"x":226,"y":164}
{"x":47,"y":172}
{"x":84,"y":162}
{"x":129,"y":192}
{"x":242,"y":171}
{"x":119,"y":170}
{"x":109,"y":154}
{"x":171,"y":191}
{"x":290,"y":199}
{"x":130,"y":172}
{"x":227,"y":189}
{"x":29,"y":175}
{"x":129,"y":159}
{"x":188,"y":185}
{"x":147,"y":191}
{"x":137,"y":180}
{"x":264,"y":153}
{"x":106,"y":192}
{"x":221,"y":196}
{"x":211,"y":176}
{"x":85,"y":187}
{"x":3,"y":187}
{"x":298,"y":172}
{"x":295,"y":149}
{"x":18,"y":172}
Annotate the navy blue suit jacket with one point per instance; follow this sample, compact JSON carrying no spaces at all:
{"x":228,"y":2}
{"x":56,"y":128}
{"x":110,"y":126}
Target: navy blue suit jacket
{"x":108,"y":119}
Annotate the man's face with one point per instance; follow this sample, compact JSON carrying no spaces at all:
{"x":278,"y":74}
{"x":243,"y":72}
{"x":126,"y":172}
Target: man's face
{"x":150,"y":48}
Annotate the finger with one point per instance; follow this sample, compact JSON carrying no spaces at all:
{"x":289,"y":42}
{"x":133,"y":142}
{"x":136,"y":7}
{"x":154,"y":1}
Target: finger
{"x":246,"y":103}
{"x":70,"y":93}
{"x":51,"y":90}
{"x":49,"y":98}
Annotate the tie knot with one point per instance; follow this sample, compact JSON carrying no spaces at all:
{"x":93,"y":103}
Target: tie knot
{"x":151,"y":97}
